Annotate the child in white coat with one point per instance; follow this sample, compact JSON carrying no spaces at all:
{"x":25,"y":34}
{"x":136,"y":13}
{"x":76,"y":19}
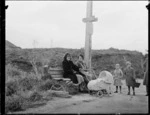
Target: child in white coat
{"x":118,"y":74}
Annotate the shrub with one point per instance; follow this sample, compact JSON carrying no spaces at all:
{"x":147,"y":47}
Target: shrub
{"x":13,"y":103}
{"x":72,"y":89}
{"x":46,"y":85}
{"x":35,"y":96}
{"x":11,"y":88}
{"x":28,"y":83}
{"x":12,"y":72}
{"x":139,"y":74}
{"x":46,"y":77}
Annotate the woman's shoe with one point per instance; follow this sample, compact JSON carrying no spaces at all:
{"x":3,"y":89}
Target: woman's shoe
{"x":116,"y":92}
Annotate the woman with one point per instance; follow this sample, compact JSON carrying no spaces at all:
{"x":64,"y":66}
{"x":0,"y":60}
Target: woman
{"x":145,"y":81}
{"x":118,"y":74}
{"x":69,"y":69}
{"x":130,"y":77}
{"x":80,"y":63}
{"x":83,"y":69}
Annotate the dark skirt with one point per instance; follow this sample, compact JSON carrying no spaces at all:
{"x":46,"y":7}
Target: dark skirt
{"x":145,"y":81}
{"x":72,"y":76}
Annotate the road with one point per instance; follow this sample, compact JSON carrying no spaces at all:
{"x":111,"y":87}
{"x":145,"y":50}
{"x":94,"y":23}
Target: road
{"x":85,"y":103}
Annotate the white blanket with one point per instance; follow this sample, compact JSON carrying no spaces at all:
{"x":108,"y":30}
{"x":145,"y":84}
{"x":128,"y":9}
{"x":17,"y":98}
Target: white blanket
{"x":104,"y":81}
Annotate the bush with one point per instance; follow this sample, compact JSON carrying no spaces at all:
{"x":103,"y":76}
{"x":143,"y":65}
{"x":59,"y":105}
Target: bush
{"x":11,"y":88}
{"x":28,"y":83}
{"x":35,"y":96}
{"x":13,"y":103}
{"x":22,"y":101}
{"x":12,"y":72}
{"x":46,"y":85}
{"x":139,"y":74}
{"x":46,"y":77}
{"x":72,"y":89}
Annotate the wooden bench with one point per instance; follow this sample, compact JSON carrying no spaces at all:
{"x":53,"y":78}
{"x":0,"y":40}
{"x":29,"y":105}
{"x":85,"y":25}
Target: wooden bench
{"x":56,"y":74}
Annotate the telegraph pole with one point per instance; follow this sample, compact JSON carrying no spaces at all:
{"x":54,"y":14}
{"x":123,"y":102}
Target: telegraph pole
{"x":89,"y":31}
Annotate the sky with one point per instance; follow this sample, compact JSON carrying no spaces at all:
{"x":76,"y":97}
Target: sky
{"x":47,"y":24}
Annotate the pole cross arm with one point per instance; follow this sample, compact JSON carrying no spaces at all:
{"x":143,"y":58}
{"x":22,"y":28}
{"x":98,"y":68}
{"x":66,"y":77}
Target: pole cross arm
{"x":90,"y":19}
{"x":148,"y":6}
{"x":6,"y":6}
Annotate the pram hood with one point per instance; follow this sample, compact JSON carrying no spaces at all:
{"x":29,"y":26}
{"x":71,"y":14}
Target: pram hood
{"x":107,"y":76}
{"x":104,"y":80}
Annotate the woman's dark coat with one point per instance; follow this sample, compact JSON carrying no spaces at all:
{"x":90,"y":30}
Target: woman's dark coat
{"x":130,"y":76}
{"x":145,"y":81}
{"x":69,"y":69}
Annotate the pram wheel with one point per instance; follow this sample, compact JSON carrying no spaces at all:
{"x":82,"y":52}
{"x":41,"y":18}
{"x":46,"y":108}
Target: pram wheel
{"x":99,"y":94}
{"x":105,"y":92}
{"x":92,"y":92}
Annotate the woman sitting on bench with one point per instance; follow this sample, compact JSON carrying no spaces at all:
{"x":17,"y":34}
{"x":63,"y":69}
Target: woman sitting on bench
{"x":84,"y":71}
{"x":83,"y":68}
{"x":69,"y":69}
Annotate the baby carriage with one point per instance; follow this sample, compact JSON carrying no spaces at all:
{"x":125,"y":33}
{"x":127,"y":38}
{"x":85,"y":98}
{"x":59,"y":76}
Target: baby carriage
{"x":102,"y":85}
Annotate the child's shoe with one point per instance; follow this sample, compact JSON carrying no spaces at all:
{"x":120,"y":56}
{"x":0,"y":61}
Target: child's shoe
{"x":116,"y":92}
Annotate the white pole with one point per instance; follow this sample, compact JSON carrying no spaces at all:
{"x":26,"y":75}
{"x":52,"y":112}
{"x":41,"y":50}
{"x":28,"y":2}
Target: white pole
{"x":89,"y":31}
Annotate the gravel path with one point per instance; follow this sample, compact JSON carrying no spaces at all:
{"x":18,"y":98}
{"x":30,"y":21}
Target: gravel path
{"x":85,"y":103}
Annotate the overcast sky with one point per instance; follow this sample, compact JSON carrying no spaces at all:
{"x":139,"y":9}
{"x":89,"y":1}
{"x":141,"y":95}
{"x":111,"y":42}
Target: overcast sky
{"x":121,"y":24}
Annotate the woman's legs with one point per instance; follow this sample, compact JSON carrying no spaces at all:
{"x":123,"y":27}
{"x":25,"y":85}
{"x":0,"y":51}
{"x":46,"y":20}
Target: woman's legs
{"x":133,"y":90}
{"x":84,"y":77}
{"x":116,"y":89}
{"x":82,"y":84}
{"x":120,"y":88}
{"x":128,"y":90}
{"x":80,"y":78}
{"x":73,"y":78}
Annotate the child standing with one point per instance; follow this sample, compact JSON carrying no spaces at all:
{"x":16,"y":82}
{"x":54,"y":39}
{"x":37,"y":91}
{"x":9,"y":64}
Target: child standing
{"x":118,"y":74}
{"x":130,"y":77}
